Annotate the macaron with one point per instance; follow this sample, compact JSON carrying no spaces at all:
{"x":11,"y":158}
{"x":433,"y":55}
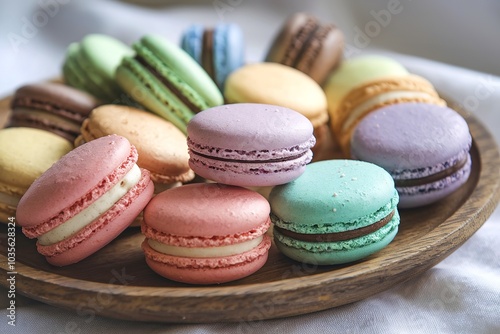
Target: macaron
{"x":161,"y":146}
{"x":424,"y":147}
{"x":277,"y":84}
{"x":365,"y":98}
{"x":90,"y":65}
{"x":164,"y":79}
{"x":25,"y":154}
{"x":250,"y":145}
{"x":206,"y":233}
{"x":338,"y":211}
{"x":354,"y":72}
{"x":219,"y":50}
{"x":85,"y":200}
{"x":308,"y":45}
{"x":53,"y":107}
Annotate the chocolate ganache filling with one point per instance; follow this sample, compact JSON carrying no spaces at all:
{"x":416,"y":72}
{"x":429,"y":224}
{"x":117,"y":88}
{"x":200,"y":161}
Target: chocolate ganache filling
{"x":207,"y":58}
{"x":434,"y":177}
{"x":338,"y":236}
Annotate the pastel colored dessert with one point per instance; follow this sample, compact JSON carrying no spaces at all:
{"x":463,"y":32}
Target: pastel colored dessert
{"x":250,"y":145}
{"x":85,"y":200}
{"x":161,"y":146}
{"x":53,"y":107}
{"x":277,"y":84}
{"x":219,"y":50}
{"x":164,"y":79}
{"x":375,"y":94}
{"x":25,"y":154}
{"x":354,"y":72}
{"x":90,"y":65}
{"x":338,"y":211}
{"x":424,"y":147}
{"x":206,"y":233}
{"x":308,"y":45}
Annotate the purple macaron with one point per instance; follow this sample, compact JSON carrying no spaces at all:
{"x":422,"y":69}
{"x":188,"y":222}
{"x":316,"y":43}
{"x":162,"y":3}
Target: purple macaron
{"x":424,"y":147}
{"x":250,"y":144}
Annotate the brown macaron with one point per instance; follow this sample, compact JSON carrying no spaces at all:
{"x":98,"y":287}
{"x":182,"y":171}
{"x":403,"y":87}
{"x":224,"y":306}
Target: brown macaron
{"x":161,"y":146}
{"x":52,"y":107}
{"x":308,"y":45}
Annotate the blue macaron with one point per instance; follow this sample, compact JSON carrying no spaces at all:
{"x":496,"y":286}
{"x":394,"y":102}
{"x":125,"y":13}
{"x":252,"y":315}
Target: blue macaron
{"x":220,"y":50}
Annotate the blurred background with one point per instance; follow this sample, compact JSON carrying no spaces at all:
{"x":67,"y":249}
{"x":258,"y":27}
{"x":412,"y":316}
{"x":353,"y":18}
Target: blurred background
{"x":35,"y":33}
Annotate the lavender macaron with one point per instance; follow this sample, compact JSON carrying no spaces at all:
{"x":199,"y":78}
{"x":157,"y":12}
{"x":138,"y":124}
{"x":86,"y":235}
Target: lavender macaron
{"x":424,"y":147}
{"x":250,"y":144}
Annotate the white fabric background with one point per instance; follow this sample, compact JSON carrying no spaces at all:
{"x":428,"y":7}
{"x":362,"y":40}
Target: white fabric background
{"x":452,"y":43}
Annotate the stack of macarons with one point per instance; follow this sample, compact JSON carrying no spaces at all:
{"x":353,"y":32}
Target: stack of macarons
{"x":363,"y":84}
{"x":213,"y":155}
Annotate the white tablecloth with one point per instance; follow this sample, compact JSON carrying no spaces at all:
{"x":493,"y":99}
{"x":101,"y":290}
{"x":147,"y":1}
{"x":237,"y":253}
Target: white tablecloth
{"x":459,"y":295}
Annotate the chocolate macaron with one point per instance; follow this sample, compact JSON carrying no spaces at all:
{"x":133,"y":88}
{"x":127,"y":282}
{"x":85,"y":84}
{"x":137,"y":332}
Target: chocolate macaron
{"x":308,"y":45}
{"x":53,"y":107}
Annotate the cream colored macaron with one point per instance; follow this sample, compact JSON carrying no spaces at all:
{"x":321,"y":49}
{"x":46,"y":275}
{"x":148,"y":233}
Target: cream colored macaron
{"x":25,"y":154}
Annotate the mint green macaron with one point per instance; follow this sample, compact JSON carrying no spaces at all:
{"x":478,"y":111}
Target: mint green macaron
{"x":338,"y":211}
{"x":90,"y":65}
{"x":167,"y":81}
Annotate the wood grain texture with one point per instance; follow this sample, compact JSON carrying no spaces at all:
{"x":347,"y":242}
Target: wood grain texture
{"x":116,"y":282}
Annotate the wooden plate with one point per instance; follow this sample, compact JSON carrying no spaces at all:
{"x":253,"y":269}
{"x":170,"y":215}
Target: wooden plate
{"x":116,"y":283}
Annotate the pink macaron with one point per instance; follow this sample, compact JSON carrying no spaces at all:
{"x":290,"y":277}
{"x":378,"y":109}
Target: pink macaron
{"x":250,"y":144}
{"x":206,"y":233}
{"x":85,"y":200}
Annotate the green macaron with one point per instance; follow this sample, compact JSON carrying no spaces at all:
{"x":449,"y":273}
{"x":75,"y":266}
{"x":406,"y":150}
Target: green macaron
{"x":167,"y":81}
{"x":90,"y":65}
{"x":338,"y":211}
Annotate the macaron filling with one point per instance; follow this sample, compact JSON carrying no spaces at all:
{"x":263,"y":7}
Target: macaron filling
{"x":38,"y":104}
{"x":205,"y":252}
{"x":265,"y":155}
{"x":450,"y":170}
{"x":93,"y":211}
{"x":374,"y":237}
{"x":167,"y":83}
{"x":207,"y":56}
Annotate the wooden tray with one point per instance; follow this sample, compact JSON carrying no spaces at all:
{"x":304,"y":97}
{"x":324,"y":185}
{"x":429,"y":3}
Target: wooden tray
{"x":116,"y":283}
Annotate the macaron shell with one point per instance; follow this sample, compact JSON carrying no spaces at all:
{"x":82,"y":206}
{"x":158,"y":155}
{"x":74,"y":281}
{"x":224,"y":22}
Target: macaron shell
{"x":220,"y":210}
{"x":410,"y":136}
{"x":74,"y":74}
{"x":332,"y":192}
{"x":215,"y":271}
{"x":105,"y":229}
{"x":277,"y":84}
{"x":191,"y":41}
{"x":161,"y":146}
{"x":249,"y":127}
{"x":75,"y":175}
{"x":229,"y":51}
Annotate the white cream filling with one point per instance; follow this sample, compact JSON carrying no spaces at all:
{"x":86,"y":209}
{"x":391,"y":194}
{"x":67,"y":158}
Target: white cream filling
{"x":205,"y":252}
{"x":355,"y":113}
{"x":93,"y":211}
